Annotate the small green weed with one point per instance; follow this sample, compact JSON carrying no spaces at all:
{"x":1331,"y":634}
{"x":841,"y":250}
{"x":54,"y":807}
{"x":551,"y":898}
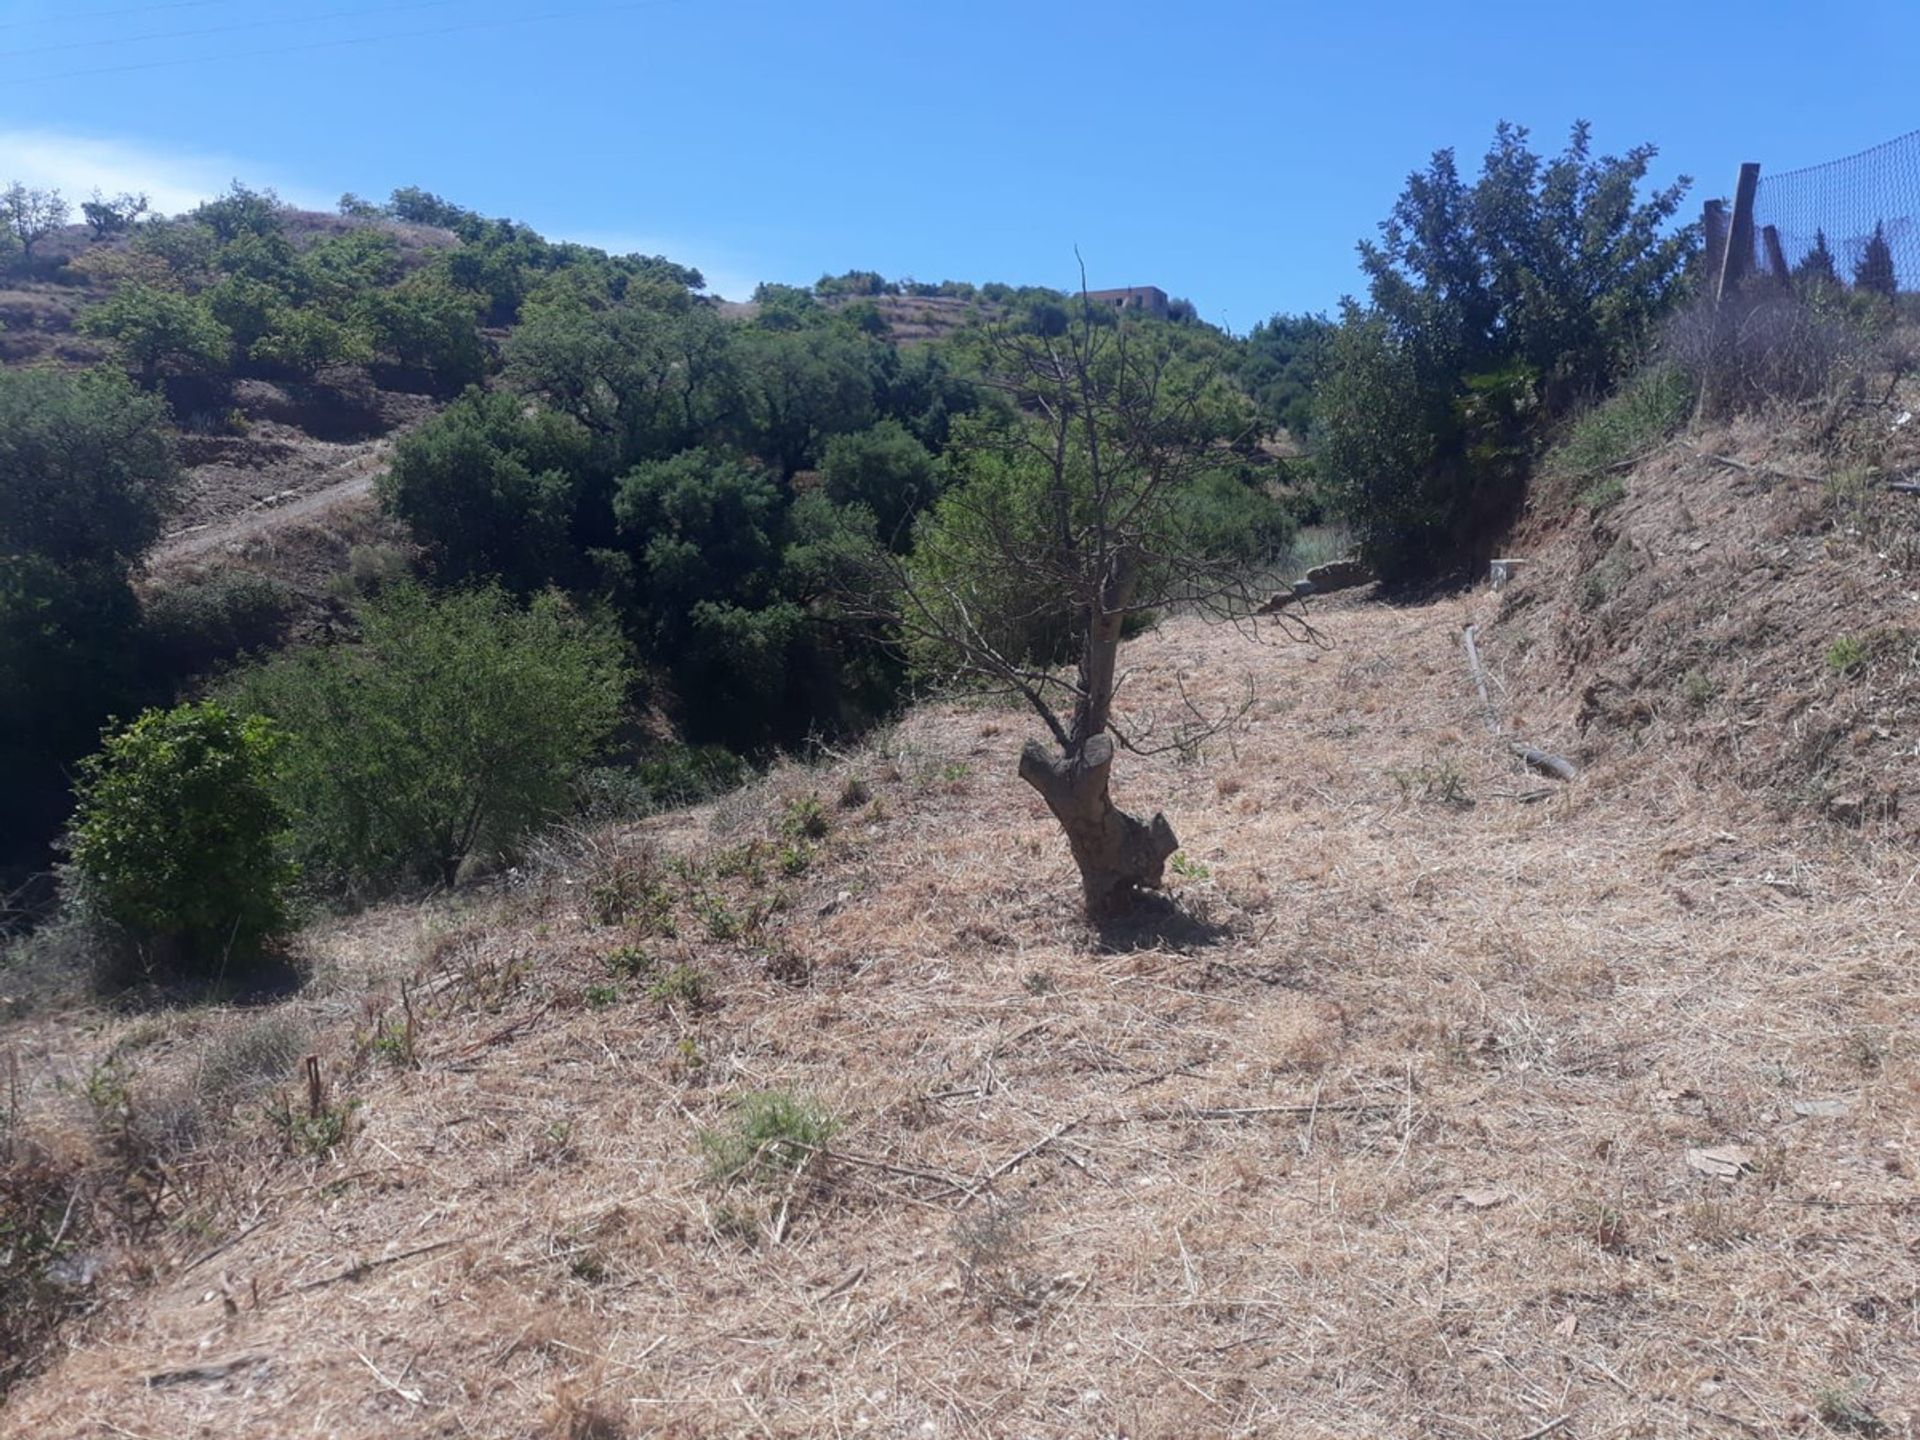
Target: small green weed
{"x":1607,"y":491}
{"x":772,"y":1135}
{"x":1605,"y":579}
{"x":854,"y":793}
{"x":740,"y":862}
{"x":630,"y":962}
{"x":1698,"y":690}
{"x":1848,"y":654}
{"x":599,"y":997}
{"x":393,"y":1041}
{"x":805,"y":819}
{"x":312,"y":1132}
{"x":722,"y":920}
{"x":680,"y":986}
{"x":1187,"y":868}
{"x":1845,"y":1408}
{"x":794,"y":859}
{"x":737,"y":1222}
{"x":1438,"y":782}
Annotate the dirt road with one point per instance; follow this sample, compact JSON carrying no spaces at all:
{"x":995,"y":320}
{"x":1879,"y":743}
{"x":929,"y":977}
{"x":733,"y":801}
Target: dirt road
{"x":349,"y":480}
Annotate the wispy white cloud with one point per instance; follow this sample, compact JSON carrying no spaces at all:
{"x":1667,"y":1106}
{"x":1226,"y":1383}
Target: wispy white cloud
{"x":726,"y":275}
{"x":174,"y":180}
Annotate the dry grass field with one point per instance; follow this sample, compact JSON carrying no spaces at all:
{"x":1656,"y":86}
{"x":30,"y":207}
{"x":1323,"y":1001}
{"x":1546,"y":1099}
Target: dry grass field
{"x":1440,"y":1100}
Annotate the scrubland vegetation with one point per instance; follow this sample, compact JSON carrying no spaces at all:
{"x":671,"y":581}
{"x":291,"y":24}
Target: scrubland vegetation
{"x":620,"y":838}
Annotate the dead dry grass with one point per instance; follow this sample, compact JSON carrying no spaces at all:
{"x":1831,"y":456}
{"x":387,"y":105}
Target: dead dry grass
{"x":1383,"y":1129}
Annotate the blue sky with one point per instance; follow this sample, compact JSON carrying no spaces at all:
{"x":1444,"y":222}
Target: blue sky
{"x":1230,"y":152}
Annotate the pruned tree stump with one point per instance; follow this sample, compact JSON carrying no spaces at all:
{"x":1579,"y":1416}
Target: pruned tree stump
{"x":1118,"y":854}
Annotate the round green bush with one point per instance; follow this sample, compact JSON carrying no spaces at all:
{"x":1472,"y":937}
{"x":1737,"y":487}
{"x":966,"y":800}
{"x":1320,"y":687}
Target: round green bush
{"x":178,"y":839}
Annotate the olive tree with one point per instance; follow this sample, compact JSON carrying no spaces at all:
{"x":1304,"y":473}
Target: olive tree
{"x":1071,"y":519}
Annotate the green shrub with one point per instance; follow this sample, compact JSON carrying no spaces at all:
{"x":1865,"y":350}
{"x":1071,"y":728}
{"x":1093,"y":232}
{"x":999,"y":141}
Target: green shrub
{"x":178,"y":837}
{"x":192,"y":627}
{"x":1231,"y":517}
{"x":1632,"y":422}
{"x":772,"y":1135}
{"x":457,"y":725}
{"x":630,"y":962}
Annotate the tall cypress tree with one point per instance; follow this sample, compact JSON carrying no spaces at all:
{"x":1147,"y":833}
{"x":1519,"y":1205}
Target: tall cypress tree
{"x":1875,"y":270}
{"x":1816,"y":268}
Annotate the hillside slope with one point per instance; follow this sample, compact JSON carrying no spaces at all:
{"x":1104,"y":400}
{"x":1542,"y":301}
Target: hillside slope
{"x":1437,"y":1108}
{"x":1743,"y":605}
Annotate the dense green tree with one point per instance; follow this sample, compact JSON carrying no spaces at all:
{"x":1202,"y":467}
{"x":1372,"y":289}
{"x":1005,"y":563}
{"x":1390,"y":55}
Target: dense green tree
{"x":179,"y":838}
{"x":423,"y":207}
{"x":341,"y":269}
{"x":306,"y":340}
{"x":1494,"y":305}
{"x":494,"y":490}
{"x":854,"y":282}
{"x":87,"y":468}
{"x":455,"y":726}
{"x":241,"y":211}
{"x":427,"y":325}
{"x":1229,"y":513}
{"x":702,"y":528}
{"x":1816,"y":269}
{"x":886,"y":471}
{"x":1281,"y":364}
{"x":924,"y":390}
{"x":186,"y":247}
{"x":802,"y":387}
{"x":86,"y":475}
{"x":264,"y":256}
{"x":652,"y":373}
{"x":160,"y":332}
{"x":244,"y":307}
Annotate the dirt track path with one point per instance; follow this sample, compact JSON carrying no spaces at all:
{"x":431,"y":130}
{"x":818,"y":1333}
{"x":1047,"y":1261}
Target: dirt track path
{"x":355,"y":479}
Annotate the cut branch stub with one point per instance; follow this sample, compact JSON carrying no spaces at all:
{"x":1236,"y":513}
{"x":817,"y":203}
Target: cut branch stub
{"x":1117,"y":854}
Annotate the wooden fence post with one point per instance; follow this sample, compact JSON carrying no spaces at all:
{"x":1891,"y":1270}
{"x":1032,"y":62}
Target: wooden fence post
{"x":1776,"y":257}
{"x":1737,"y":263}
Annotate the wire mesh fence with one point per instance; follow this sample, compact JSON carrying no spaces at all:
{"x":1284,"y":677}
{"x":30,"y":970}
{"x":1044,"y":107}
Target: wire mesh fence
{"x":1855,"y":220}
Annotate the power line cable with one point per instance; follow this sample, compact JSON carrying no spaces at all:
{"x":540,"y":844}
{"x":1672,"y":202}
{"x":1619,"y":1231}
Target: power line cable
{"x":66,"y":17}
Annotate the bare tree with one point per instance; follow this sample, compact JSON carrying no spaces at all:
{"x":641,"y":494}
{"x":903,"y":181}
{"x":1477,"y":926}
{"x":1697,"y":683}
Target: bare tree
{"x":1074,"y":520}
{"x":31,"y":215}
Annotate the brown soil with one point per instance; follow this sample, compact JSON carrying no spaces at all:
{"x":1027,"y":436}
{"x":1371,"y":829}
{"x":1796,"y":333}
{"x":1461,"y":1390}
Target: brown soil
{"x":1432,"y":1106}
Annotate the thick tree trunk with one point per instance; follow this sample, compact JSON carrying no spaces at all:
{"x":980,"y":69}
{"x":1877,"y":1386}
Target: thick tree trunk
{"x":1117,"y":854}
